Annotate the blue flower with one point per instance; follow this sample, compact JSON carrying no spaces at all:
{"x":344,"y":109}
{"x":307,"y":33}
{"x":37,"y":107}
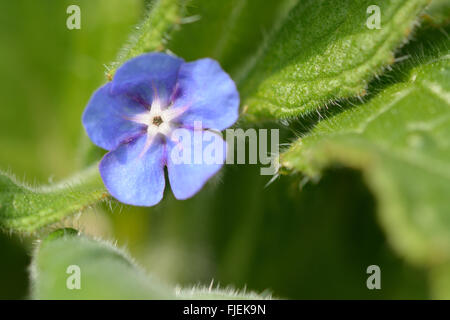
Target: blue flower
{"x":135,"y":115}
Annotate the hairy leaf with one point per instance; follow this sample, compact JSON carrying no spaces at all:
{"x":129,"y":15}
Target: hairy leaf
{"x":438,"y":13}
{"x":25,"y":209}
{"x":228,"y":31}
{"x":324,"y":50}
{"x":400,"y":140}
{"x":106,"y":272}
{"x":152,"y":33}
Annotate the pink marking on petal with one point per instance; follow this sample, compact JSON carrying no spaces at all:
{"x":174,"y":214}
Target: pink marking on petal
{"x":139,"y":118}
{"x":174,"y":92}
{"x":147,"y":145}
{"x":173,"y":113}
{"x":140,"y":101}
{"x":155,"y":94}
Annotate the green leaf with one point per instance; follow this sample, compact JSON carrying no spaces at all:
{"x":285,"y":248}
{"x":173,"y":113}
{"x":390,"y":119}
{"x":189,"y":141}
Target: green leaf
{"x":162,"y":19}
{"x":438,"y":13}
{"x":440,"y":281}
{"x":323,"y":51}
{"x":106,"y":272}
{"x":399,"y":139}
{"x":26,"y":209}
{"x":14,"y":269}
{"x":228,"y":31}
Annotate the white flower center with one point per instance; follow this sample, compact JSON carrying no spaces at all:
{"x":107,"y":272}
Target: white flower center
{"x":159,"y":120}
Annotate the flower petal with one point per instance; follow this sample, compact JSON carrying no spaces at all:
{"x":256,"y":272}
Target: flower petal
{"x":105,"y":118}
{"x":209,"y":93}
{"x":203,"y":159}
{"x":132,"y":177}
{"x":140,"y":76}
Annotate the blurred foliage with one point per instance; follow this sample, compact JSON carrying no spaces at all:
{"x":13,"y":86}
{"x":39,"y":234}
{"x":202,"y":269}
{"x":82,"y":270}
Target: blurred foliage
{"x":49,"y":73}
{"x":398,"y":138}
{"x":295,"y":240}
{"x":14,"y":268}
{"x":105,"y":272}
{"x":228,"y":31}
{"x":152,"y":34}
